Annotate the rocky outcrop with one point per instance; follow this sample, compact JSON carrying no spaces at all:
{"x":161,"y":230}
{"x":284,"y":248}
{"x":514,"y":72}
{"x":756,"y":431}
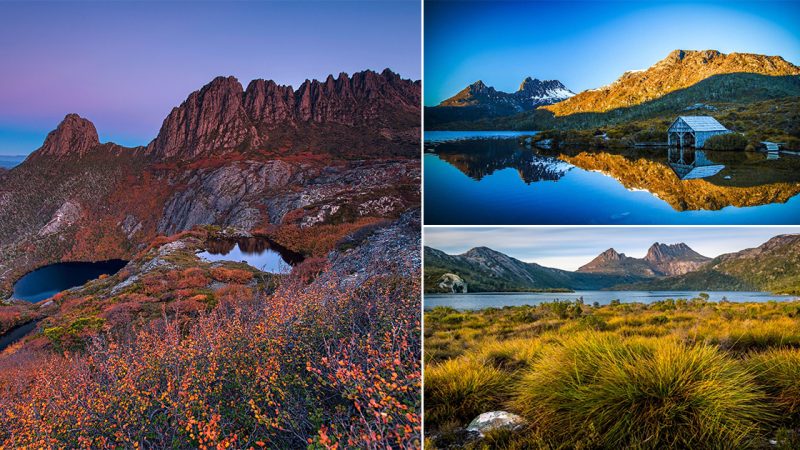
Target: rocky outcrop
{"x":222,"y":116}
{"x":73,"y":136}
{"x":452,"y":283}
{"x":674,"y":259}
{"x":211,"y":119}
{"x":65,"y":216}
{"x":661,"y":260}
{"x":679,"y":70}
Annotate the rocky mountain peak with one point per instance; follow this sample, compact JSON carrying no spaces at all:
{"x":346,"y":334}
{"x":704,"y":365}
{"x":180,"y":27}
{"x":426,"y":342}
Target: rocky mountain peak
{"x":74,"y":136}
{"x":479,"y":87}
{"x":610,"y":255}
{"x":527,"y":83}
{"x":210,"y":119}
{"x":668,"y":252}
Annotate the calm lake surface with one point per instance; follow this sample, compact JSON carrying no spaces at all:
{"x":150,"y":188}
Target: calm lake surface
{"x":49,"y":280}
{"x":260,"y":253}
{"x":491,"y":178}
{"x":500,"y":299}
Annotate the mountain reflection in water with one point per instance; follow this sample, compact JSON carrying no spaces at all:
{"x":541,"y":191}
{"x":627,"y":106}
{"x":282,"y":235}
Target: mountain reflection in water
{"x":632,"y":185}
{"x":482,"y":157}
{"x":258,"y":252}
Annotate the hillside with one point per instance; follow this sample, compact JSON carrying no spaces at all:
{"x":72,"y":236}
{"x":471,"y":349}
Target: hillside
{"x":681,"y":69}
{"x":773,"y":266}
{"x":487,"y":270}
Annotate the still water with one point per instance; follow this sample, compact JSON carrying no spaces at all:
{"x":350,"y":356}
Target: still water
{"x":49,"y":280}
{"x":485,"y":178}
{"x":260,"y":253}
{"x":498,"y":299}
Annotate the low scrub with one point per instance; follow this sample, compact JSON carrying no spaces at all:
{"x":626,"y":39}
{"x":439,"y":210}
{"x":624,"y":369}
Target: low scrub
{"x":688,"y":373}
{"x":730,"y":141}
{"x":305,"y":366}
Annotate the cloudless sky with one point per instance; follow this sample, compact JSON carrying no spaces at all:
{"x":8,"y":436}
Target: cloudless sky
{"x":125,"y":65}
{"x":588,"y":44}
{"x":571,"y":247}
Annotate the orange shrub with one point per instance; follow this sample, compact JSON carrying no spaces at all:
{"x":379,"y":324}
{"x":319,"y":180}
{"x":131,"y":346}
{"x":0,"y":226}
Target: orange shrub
{"x":233,"y":293}
{"x":231,"y":275}
{"x":194,"y":277}
{"x":248,"y":372}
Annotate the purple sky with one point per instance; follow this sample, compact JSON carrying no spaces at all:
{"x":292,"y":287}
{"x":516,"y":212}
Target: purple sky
{"x":124,"y":65}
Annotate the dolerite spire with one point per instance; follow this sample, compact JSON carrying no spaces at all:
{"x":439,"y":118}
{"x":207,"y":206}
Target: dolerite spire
{"x":73,"y":136}
{"x":212,"y":119}
{"x":222,"y":116}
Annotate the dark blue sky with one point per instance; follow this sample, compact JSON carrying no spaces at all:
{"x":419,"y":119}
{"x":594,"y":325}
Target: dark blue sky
{"x":124,"y":65}
{"x":590,"y":43}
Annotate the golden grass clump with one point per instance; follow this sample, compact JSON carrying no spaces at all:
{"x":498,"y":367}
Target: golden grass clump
{"x":778,"y":372}
{"x":635,"y":394}
{"x":458,"y":390}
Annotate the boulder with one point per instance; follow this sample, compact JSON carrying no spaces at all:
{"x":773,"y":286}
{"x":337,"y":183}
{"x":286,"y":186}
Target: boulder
{"x":453,"y":283}
{"x":496,"y":420}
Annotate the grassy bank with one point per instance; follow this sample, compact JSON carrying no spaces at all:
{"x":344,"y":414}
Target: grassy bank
{"x":673,"y":374}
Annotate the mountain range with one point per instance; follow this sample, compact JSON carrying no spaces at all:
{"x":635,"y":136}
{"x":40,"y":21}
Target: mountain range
{"x":487,"y":270}
{"x":682,"y":80}
{"x":478,"y":101}
{"x":331,"y":153}
{"x":660,"y":260}
{"x":773,"y":266}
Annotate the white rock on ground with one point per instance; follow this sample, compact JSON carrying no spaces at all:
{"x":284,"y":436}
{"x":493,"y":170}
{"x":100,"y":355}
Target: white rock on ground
{"x":496,"y":420}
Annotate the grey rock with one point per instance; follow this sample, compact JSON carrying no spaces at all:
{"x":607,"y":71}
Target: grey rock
{"x":453,"y":283}
{"x":496,"y":420}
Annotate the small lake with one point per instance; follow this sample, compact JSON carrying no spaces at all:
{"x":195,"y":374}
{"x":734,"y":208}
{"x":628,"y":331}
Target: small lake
{"x":260,"y":253}
{"x":17,"y":333}
{"x":49,"y":280}
{"x":500,"y":299}
{"x":492,"y":178}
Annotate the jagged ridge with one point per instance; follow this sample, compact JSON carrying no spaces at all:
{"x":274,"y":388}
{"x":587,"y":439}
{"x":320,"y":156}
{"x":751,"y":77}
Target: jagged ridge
{"x":679,"y":70}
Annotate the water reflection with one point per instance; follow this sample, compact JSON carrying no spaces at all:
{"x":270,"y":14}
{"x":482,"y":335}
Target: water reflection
{"x":261,"y":253}
{"x":505,"y":181}
{"x":478,"y":158}
{"x":689,"y":163}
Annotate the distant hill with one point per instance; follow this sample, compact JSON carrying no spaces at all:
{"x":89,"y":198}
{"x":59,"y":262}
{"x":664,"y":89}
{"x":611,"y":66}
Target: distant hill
{"x":487,"y":270}
{"x":10,"y":161}
{"x":773,"y":266}
{"x":661,"y":260}
{"x":478,"y":101}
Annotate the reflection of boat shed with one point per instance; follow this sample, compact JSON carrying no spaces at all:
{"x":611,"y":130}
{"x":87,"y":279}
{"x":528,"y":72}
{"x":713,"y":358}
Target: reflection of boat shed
{"x":693,"y":131}
{"x":689,"y":164}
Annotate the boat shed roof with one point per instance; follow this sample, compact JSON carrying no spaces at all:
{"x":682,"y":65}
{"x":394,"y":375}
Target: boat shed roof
{"x":703,"y":123}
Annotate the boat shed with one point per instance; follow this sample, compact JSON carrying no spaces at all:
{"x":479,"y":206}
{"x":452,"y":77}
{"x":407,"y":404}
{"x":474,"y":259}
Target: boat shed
{"x":693,"y":131}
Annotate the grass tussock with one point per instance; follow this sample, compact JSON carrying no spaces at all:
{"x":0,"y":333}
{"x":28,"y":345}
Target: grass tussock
{"x":680,"y":374}
{"x":460,"y":389}
{"x":629,"y":394}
